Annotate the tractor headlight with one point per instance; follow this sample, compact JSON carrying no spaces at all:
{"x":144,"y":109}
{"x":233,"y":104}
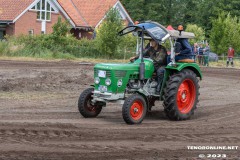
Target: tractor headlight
{"x":119,"y":83}
{"x":108,"y":82}
{"x":97,"y":80}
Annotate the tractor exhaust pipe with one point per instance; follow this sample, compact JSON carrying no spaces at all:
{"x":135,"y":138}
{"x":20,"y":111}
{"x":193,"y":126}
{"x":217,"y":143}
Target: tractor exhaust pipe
{"x":142,"y":64}
{"x":142,"y":71}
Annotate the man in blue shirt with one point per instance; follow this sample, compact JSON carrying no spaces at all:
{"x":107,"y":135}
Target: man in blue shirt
{"x":185,"y":52}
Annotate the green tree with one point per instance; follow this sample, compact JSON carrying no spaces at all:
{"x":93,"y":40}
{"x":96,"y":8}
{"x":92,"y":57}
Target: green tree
{"x":136,"y":9}
{"x":225,"y":32}
{"x":128,"y":46}
{"x":198,"y":31}
{"x":217,"y":34}
{"x":175,"y":12}
{"x":165,"y":12}
{"x":60,"y":28}
{"x":107,"y":39}
{"x":205,"y":11}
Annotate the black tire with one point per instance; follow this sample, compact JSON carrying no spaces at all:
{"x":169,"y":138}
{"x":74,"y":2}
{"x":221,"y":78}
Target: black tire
{"x":85,"y":107}
{"x":134,"y":109}
{"x":181,"y":95}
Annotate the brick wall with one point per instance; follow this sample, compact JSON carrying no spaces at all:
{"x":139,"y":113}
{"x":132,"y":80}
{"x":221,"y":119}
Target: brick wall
{"x":29,"y":21}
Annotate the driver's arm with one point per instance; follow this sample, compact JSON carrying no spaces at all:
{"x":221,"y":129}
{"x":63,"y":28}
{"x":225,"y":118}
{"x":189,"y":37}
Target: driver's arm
{"x":145,"y":52}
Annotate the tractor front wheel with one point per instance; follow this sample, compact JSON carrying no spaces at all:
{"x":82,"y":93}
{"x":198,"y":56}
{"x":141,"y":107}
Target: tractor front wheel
{"x":85,"y":106}
{"x":134,"y":109}
{"x":181,"y":95}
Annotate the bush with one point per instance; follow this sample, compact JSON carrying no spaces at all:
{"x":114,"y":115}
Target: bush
{"x":42,"y":45}
{"x":107,"y":39}
{"x":198,"y":31}
{"x":4,"y":48}
{"x":88,"y":48}
{"x":61,"y":44}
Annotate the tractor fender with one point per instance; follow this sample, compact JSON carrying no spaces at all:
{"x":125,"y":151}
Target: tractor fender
{"x":180,"y":66}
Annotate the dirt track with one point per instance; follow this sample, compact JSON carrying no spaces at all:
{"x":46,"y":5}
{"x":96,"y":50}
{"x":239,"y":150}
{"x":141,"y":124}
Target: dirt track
{"x":39,"y":118}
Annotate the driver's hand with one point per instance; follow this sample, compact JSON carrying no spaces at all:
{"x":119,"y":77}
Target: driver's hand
{"x":177,"y":54}
{"x":132,"y":59}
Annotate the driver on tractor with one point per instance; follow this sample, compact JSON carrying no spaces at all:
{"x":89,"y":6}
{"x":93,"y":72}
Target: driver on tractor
{"x":158,"y":54}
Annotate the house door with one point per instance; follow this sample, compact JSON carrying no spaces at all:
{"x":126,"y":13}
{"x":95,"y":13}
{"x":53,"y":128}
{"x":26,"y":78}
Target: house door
{"x":43,"y":27}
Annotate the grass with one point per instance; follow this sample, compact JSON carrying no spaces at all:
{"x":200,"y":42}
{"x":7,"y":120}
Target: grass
{"x":222,"y":64}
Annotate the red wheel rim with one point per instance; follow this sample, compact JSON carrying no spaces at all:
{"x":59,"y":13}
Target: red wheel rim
{"x":136,"y":110}
{"x":186,"y":96}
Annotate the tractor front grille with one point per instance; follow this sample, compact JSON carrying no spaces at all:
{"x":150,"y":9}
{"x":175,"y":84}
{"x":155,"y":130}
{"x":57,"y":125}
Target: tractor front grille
{"x":120,"y":74}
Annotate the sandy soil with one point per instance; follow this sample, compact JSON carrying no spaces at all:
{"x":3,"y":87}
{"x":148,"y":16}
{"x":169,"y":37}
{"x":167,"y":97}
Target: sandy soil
{"x":39,"y":118}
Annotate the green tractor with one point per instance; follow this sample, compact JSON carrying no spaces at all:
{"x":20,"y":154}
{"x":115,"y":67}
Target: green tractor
{"x":133,"y":84}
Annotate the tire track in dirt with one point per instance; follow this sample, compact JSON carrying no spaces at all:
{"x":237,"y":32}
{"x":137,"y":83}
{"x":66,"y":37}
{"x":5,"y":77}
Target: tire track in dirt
{"x":35,"y":135}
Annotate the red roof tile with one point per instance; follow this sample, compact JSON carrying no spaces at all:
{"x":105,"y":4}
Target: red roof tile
{"x":73,"y":12}
{"x":86,"y":12}
{"x":10,"y":9}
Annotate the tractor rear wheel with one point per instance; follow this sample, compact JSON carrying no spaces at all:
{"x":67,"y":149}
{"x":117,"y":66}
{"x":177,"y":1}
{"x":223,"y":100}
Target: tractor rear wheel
{"x":134,"y":109}
{"x":85,"y":106}
{"x":181,"y":95}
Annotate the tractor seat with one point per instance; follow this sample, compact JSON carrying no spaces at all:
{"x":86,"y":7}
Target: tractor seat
{"x":186,"y":60}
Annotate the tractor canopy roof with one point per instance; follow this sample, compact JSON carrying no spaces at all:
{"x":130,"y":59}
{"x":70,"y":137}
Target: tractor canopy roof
{"x":154,"y":30}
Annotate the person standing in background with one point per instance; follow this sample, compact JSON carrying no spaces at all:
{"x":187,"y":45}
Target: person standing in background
{"x":230,"y":56}
{"x":200,"y":55}
{"x":195,"y":50}
{"x":206,"y":54}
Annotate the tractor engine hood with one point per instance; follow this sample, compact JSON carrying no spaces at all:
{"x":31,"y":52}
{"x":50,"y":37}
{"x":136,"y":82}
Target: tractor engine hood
{"x":119,"y":73}
{"x":117,"y":66}
{"x":125,"y":66}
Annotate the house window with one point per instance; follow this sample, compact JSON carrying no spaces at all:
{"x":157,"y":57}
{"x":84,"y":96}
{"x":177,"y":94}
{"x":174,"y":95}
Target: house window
{"x":44,"y":10}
